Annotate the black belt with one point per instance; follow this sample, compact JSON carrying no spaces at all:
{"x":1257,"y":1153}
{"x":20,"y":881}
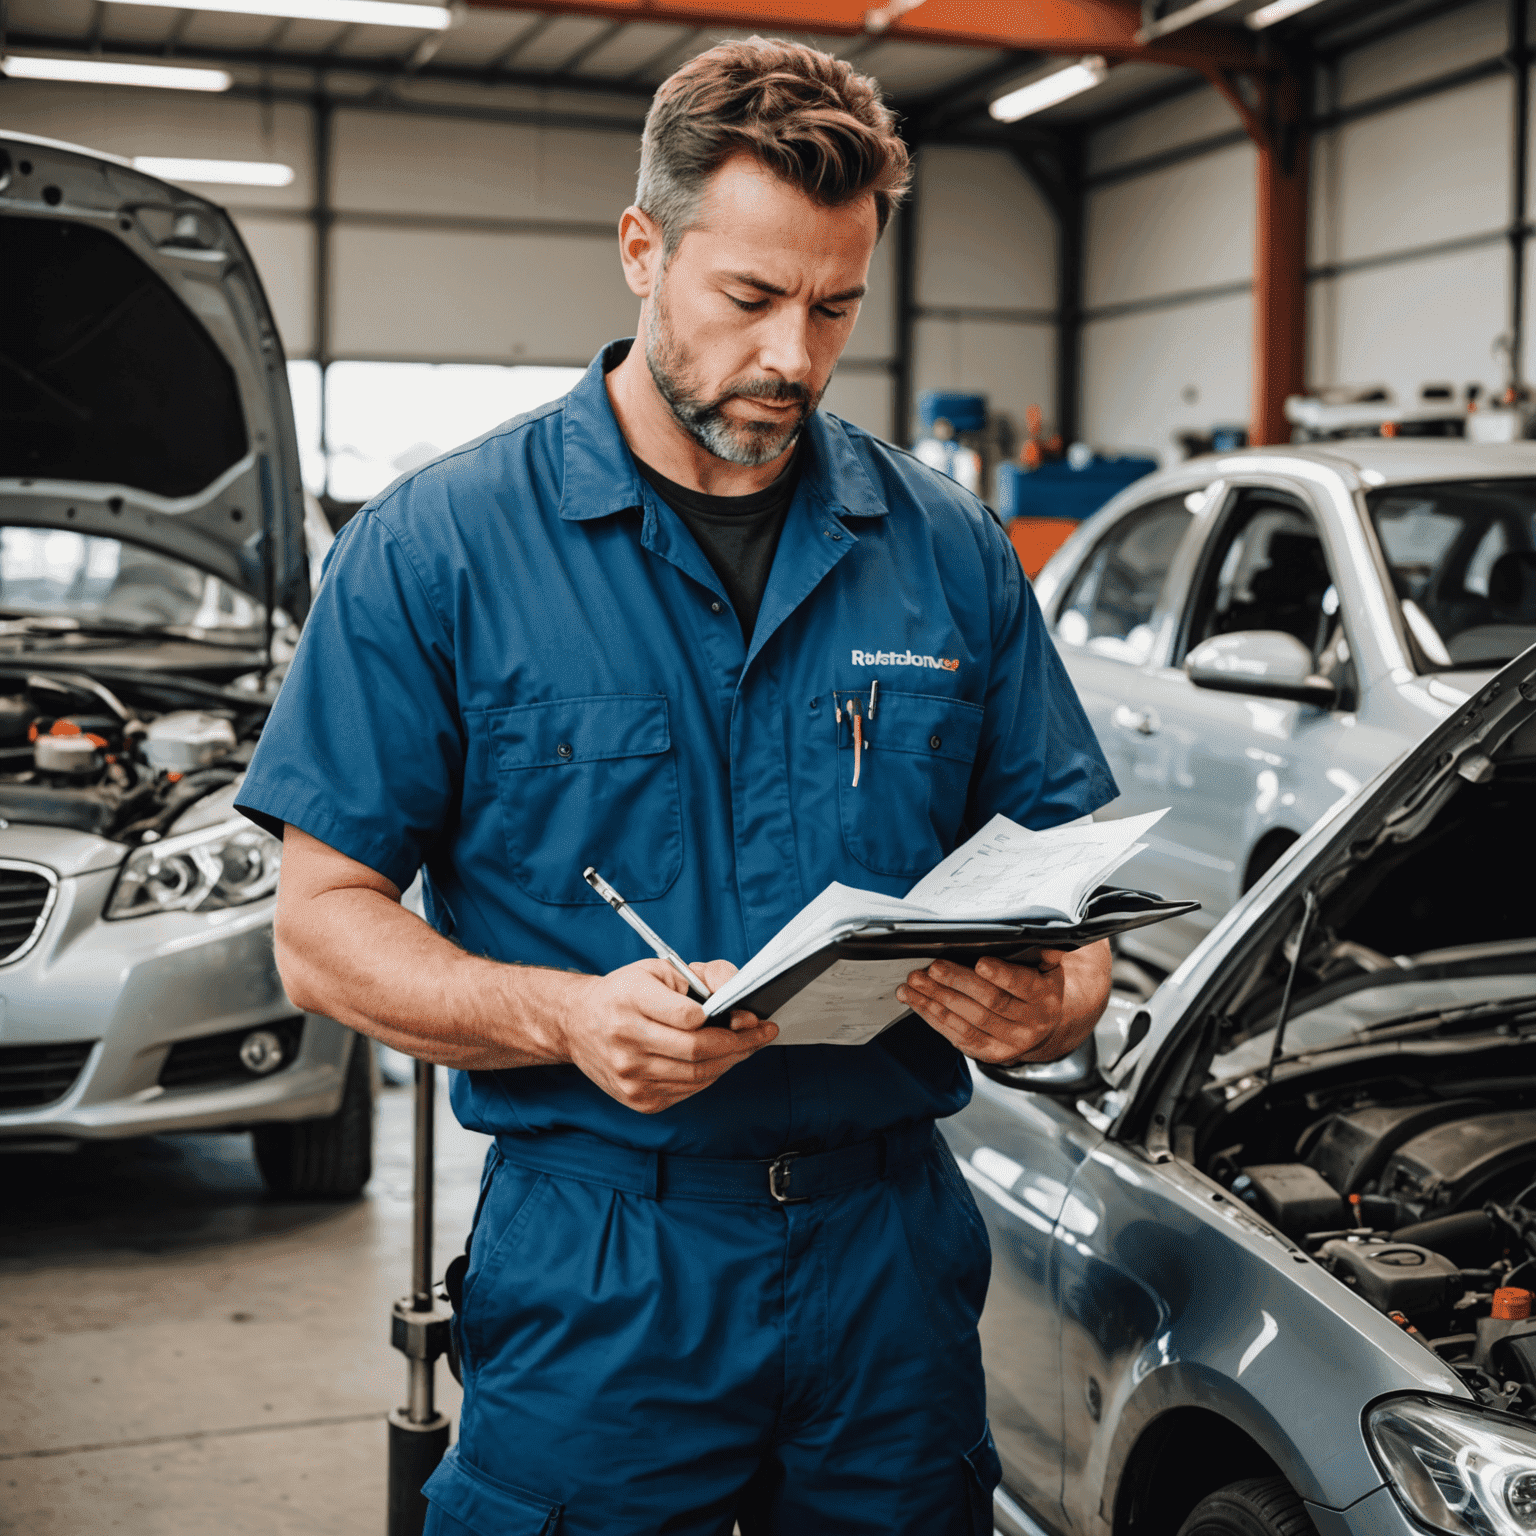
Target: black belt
{"x":786,"y":1179}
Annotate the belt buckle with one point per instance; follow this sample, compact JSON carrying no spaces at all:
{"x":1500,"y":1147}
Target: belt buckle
{"x":779,"y":1172}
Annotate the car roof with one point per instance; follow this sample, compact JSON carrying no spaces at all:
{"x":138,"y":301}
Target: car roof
{"x":1376,"y":461}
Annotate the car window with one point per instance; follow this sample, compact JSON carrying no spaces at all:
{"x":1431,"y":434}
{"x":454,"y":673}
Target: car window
{"x":1267,"y":569}
{"x":1463,"y":562}
{"x":1109,"y":605}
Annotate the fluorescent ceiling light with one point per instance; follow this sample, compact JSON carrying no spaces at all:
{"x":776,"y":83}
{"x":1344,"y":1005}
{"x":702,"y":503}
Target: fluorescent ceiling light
{"x":100,"y":72}
{"x":227,"y":173}
{"x":361,"y":13}
{"x":1049,"y":90}
{"x":1276,"y":10}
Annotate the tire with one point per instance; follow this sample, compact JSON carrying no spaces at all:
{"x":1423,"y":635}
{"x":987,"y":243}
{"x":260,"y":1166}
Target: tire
{"x":1257,"y":1506}
{"x":326,"y":1159}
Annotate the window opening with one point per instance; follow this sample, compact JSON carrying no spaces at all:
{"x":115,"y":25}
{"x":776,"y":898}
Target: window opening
{"x":1109,"y":607}
{"x":1462,"y":557}
{"x":1269,"y":571}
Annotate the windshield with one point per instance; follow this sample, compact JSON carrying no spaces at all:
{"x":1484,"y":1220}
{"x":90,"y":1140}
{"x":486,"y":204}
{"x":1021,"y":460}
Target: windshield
{"x":1463,"y":559}
{"x":75,"y":579}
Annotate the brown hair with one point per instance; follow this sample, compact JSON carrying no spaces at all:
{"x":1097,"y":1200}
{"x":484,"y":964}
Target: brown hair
{"x":806,"y":116}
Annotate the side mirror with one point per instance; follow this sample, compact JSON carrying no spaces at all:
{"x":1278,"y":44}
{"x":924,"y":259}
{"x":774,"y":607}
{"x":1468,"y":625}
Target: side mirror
{"x":1070,"y":1078}
{"x":1266,"y":663}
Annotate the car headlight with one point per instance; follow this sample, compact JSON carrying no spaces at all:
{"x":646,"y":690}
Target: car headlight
{"x":221,"y":866}
{"x":1457,"y":1468}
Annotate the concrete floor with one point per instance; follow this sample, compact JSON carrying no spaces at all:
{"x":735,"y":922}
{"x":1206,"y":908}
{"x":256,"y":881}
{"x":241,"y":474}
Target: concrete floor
{"x":180,"y":1355}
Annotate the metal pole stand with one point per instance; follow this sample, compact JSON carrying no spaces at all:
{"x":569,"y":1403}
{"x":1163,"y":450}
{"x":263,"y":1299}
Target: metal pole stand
{"x":418,"y":1433}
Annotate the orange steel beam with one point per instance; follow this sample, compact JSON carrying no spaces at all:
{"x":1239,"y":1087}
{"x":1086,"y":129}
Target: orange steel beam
{"x":1275,"y":122}
{"x":1105,"y":27}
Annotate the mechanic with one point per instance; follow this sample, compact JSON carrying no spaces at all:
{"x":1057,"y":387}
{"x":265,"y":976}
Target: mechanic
{"x":629,"y":630}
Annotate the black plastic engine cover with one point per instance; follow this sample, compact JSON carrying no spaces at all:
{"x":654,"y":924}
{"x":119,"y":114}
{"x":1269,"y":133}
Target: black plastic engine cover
{"x":85,"y":810}
{"x":1356,"y":1143}
{"x":1393,"y":1277}
{"x":1514,"y":1356}
{"x":1295,"y":1197}
{"x":16,"y":714}
{"x":1461,"y":1163}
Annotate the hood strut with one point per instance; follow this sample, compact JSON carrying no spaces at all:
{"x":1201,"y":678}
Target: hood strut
{"x":1309,"y":909}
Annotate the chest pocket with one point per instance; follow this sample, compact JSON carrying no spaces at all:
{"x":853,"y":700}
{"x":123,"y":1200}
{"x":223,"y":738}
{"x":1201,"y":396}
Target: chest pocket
{"x":588,"y":781}
{"x":916,"y":771}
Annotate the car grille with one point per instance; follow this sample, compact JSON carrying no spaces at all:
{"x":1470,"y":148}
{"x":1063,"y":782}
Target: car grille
{"x":33,"y":1075}
{"x":25,"y":897}
{"x":213,"y":1061}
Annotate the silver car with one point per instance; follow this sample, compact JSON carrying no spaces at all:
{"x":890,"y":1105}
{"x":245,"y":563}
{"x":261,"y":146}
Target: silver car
{"x":1264,"y":1250}
{"x":1254,"y":636}
{"x":153,"y":567}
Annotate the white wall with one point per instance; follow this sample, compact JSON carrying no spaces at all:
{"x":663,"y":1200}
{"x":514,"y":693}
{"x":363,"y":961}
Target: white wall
{"x":1188,"y":226}
{"x":1381,"y":310}
{"x":1430,"y":171}
{"x":1150,"y":375}
{"x":986,"y":242}
{"x":1155,"y":364}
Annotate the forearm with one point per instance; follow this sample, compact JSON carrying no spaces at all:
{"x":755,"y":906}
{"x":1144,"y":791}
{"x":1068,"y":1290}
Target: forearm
{"x":359,"y":957}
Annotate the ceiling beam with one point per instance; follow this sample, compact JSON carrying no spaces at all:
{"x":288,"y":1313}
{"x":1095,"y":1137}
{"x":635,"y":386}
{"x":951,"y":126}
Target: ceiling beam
{"x":1107,"y":27}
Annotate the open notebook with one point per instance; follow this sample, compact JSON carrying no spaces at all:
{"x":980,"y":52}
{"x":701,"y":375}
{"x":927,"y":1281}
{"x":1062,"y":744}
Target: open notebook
{"x":829,"y":976}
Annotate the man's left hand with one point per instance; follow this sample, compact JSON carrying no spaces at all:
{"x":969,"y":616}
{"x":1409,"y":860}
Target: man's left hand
{"x":1010,"y":1014}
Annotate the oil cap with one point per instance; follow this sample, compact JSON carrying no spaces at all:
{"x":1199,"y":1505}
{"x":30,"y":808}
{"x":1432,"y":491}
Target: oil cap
{"x":1511,"y":1303}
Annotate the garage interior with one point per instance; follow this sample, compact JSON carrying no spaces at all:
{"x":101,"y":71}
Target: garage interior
{"x":1333,"y":203}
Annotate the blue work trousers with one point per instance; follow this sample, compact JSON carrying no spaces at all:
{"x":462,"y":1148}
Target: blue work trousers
{"x":637,"y":1363}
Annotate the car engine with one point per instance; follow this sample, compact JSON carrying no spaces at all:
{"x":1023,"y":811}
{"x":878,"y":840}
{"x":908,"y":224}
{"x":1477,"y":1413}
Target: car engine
{"x":1424,"y":1204}
{"x":122,"y":761}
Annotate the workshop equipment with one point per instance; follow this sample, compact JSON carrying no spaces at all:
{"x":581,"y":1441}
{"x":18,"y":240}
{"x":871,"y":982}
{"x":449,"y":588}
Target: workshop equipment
{"x":419,"y":1322}
{"x":1041,"y":508}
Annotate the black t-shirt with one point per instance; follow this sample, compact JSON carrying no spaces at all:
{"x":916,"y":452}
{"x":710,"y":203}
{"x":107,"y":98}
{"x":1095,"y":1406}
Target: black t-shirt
{"x":738,"y":534}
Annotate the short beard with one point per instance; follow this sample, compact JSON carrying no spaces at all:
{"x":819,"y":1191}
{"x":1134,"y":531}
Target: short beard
{"x":750,"y":443}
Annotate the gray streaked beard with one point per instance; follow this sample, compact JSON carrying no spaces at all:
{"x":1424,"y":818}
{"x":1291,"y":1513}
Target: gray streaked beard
{"x":751,"y":443}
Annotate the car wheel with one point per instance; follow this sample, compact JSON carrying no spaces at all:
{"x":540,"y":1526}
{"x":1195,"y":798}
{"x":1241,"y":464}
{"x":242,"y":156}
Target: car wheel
{"x":326,"y":1159}
{"x":1257,"y":1506}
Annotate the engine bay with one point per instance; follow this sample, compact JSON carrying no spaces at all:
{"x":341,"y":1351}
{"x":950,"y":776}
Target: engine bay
{"x":1400,"y":1150}
{"x":1420,"y":1196}
{"x":122,"y":758}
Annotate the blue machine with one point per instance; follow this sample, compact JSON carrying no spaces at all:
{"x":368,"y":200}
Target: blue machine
{"x":1058,"y":491}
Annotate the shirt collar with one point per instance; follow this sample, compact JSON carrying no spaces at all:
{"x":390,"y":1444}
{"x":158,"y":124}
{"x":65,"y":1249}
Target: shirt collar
{"x":600,"y":476}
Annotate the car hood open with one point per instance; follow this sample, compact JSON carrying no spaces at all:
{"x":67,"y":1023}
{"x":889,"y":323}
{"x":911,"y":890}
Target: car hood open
{"x":145,"y":393}
{"x":1343,"y":856}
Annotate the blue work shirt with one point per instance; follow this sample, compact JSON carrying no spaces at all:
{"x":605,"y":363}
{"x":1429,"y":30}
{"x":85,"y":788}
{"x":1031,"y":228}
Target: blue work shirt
{"x":520,"y":663}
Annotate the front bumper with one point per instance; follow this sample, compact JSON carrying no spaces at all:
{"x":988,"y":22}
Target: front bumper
{"x":125,"y":992}
{"x":1377,"y":1514}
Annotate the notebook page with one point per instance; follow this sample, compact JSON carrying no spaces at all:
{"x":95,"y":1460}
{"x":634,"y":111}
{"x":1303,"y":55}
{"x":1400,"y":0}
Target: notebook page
{"x":837,"y":909}
{"x":1007,"y":871}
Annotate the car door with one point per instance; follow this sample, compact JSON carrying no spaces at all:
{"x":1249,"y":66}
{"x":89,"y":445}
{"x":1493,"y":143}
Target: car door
{"x":1020,"y":1153}
{"x":1243,"y":776}
{"x":1104,"y":625}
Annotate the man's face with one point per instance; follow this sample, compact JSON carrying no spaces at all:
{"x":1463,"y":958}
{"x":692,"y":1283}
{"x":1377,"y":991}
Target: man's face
{"x":753,"y":310}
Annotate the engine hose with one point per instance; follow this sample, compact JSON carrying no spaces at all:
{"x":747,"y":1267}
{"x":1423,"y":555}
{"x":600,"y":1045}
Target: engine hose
{"x":1465,"y":1227}
{"x":193,"y":787}
{"x":1519,"y":1221}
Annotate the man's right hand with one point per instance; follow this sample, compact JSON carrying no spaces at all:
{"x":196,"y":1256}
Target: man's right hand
{"x":644,"y":1041}
{"x":348,"y":949}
